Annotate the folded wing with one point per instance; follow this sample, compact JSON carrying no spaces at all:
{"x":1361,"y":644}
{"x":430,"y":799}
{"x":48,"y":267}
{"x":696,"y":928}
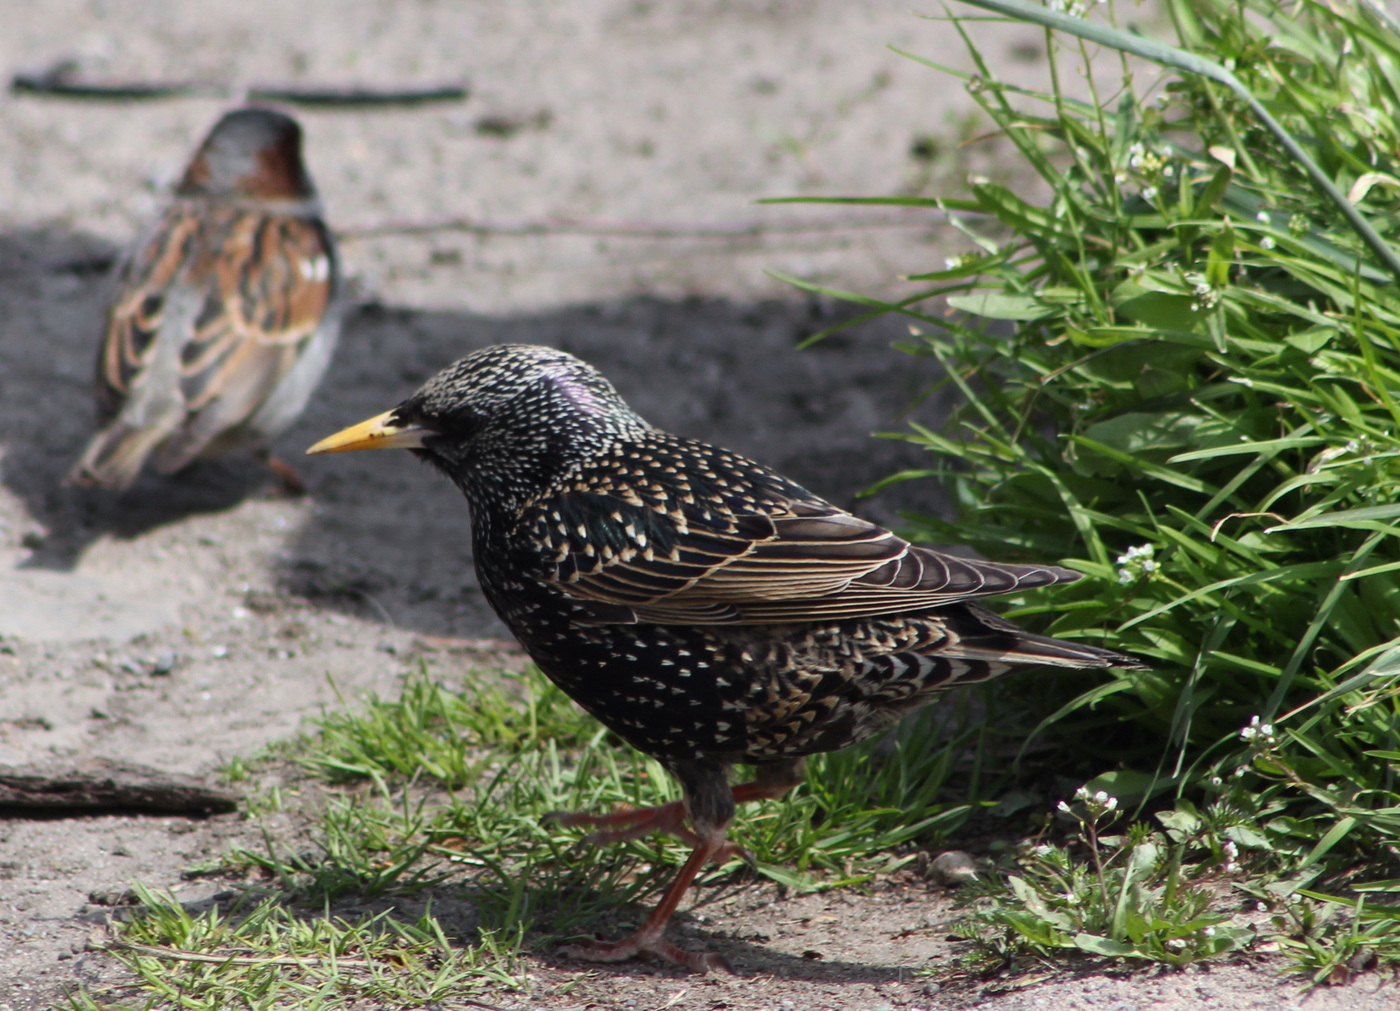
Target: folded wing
{"x":801,"y":560}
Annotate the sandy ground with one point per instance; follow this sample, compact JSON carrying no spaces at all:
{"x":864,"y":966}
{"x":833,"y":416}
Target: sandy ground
{"x":197,"y":619}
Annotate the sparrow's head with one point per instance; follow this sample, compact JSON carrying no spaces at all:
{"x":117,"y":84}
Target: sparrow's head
{"x":252,"y":153}
{"x":505,"y":420}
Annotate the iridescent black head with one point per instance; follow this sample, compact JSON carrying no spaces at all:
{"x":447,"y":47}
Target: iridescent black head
{"x":506,"y":423}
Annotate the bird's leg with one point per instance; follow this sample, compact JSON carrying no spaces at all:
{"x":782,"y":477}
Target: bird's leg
{"x":633,"y":823}
{"x":292,"y":483}
{"x":709,"y":806}
{"x":650,"y":939}
{"x":771,"y":781}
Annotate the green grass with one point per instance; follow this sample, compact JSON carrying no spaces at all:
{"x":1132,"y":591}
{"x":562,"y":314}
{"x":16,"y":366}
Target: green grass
{"x":269,"y":954}
{"x":440,"y":794}
{"x":1193,"y":398}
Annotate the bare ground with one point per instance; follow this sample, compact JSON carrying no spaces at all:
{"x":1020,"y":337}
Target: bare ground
{"x":194,"y":620}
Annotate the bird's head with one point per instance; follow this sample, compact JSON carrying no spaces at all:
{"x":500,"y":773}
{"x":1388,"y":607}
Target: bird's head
{"x":504,"y":422}
{"x":251,"y":153}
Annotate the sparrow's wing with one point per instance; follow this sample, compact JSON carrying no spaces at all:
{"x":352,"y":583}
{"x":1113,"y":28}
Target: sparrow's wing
{"x":268,"y":281}
{"x":138,"y":383}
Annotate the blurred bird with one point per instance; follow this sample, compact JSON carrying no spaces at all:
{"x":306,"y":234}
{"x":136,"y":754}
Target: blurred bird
{"x":702,"y":606}
{"x":226,"y":311}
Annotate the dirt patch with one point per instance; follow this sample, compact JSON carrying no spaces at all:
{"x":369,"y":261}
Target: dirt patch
{"x":191,"y":621}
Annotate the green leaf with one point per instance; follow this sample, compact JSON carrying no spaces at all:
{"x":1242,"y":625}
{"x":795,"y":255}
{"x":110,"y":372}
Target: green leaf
{"x":1096,"y":945}
{"x":1365,"y":518}
{"x":1163,"y":311}
{"x":995,"y":305}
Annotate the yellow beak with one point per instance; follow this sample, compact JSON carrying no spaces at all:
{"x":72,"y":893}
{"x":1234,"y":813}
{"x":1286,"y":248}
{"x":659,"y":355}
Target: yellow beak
{"x":376,"y":433}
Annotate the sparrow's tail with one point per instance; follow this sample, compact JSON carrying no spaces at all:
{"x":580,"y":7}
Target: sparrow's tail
{"x":116,"y":455}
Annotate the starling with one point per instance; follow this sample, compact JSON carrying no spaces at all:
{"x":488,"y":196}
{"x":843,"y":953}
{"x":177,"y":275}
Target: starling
{"x":705,"y":608}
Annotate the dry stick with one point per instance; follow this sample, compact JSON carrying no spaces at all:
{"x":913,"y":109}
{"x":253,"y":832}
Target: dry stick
{"x":62,"y":79}
{"x":630,"y":229}
{"x":573,"y":226}
{"x":102,"y":784}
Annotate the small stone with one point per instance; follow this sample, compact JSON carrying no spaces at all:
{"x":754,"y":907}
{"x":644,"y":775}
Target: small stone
{"x":113,"y":897}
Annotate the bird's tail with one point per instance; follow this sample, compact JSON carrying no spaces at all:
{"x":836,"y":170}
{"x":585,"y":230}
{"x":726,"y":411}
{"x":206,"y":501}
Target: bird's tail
{"x":116,"y":455}
{"x":978,"y":634}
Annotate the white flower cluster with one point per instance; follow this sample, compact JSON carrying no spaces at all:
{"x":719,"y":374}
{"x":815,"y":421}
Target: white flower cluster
{"x":1074,"y":8}
{"x":1263,"y":218}
{"x":1135,"y":563}
{"x":1099,"y":802}
{"x":1232,"y":857}
{"x":1142,"y":158}
{"x":1205,"y":295}
{"x":1261,"y":732}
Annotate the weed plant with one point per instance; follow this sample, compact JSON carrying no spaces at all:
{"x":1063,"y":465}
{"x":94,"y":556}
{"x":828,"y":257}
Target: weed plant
{"x":1191,"y":394}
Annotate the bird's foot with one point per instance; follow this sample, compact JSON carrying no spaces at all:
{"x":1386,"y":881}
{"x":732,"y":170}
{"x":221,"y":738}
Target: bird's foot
{"x":292,"y":484}
{"x":643,"y":943}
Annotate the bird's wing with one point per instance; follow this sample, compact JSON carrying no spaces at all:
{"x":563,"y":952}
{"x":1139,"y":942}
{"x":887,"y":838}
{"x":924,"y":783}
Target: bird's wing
{"x":268,"y":280}
{"x":806,"y":560}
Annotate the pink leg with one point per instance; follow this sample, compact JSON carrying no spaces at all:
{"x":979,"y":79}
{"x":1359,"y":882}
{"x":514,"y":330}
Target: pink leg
{"x":710,"y":844}
{"x":649,"y":940}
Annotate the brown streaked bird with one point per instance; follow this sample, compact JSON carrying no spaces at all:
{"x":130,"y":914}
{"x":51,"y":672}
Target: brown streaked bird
{"x":705,"y":608}
{"x":225,"y":314}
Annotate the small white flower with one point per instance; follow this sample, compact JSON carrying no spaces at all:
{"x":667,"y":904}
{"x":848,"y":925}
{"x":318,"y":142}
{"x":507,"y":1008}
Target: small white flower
{"x":1216,"y":781}
{"x":1231,"y":850}
{"x":1135,"y":563}
{"x":1295,"y":898}
{"x":1262,"y":217}
{"x":1267,"y":242}
{"x":1042,"y":850}
{"x":1176,"y":943}
{"x":1082,"y":793}
{"x":1062,"y":806}
{"x":1208,"y":931}
{"x":1262,"y":907}
{"x":1149,"y":193}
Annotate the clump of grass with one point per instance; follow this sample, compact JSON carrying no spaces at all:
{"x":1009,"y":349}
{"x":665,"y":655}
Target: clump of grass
{"x":272,"y":955}
{"x":1193,"y":397}
{"x":1140,"y":894}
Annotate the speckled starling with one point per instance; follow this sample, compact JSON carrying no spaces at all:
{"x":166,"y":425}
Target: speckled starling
{"x":702,"y":606}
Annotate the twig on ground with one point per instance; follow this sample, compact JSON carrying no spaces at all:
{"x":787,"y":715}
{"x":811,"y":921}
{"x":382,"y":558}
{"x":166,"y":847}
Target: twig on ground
{"x":63,"y":79}
{"x":632,"y":229}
